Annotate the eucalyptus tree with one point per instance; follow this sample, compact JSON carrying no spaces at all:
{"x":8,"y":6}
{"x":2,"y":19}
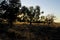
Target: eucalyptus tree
{"x":37,"y":12}
{"x":15,"y":3}
{"x":11,"y":10}
{"x":50,"y":18}
{"x":25,"y":11}
{"x":31,"y":15}
{"x":3,"y":8}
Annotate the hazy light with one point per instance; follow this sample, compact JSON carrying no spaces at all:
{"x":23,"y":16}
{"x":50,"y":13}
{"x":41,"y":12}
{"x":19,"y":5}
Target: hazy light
{"x":20,"y":15}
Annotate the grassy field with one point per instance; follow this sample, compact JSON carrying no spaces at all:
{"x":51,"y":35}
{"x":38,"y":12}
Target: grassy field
{"x":38,"y":24}
{"x":25,"y":31}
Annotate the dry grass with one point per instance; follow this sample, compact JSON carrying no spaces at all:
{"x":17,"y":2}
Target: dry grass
{"x":38,"y":24}
{"x":36,"y":31}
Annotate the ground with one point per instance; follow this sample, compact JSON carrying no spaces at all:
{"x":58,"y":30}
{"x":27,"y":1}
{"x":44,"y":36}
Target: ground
{"x":25,"y":31}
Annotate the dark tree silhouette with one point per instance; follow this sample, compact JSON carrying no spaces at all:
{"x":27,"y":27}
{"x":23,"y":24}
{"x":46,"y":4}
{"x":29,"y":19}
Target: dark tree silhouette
{"x":25,"y":10}
{"x":37,"y":12}
{"x":4,"y":5}
{"x":50,"y":18}
{"x":31,"y":14}
{"x":11,"y":10}
{"x":15,"y":3}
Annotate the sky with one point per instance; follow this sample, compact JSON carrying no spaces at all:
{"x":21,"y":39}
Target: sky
{"x":48,"y":6}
